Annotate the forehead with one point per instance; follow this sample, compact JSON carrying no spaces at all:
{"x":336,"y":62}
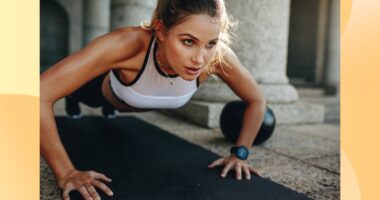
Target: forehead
{"x":201,"y":26}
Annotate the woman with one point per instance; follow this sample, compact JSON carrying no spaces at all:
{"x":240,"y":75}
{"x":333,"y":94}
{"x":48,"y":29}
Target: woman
{"x":154,"y":66}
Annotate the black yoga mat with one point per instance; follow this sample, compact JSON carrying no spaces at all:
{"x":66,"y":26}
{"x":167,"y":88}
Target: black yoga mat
{"x":146,"y":162}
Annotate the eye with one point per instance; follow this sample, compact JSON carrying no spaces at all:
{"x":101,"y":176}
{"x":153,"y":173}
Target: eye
{"x":210,"y":45}
{"x":188,"y":42}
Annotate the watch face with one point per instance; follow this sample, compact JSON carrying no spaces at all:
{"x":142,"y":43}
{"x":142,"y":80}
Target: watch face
{"x":242,"y":153}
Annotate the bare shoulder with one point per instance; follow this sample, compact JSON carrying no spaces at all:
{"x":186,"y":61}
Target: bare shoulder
{"x":238,"y":78}
{"x":98,"y":57}
{"x":128,"y":42}
{"x":229,"y":64}
{"x":131,"y":36}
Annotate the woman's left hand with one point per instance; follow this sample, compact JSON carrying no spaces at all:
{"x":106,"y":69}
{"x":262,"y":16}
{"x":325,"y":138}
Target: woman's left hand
{"x":233,"y":162}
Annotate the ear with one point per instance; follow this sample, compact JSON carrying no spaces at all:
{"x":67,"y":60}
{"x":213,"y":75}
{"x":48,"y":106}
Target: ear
{"x":159,"y":28}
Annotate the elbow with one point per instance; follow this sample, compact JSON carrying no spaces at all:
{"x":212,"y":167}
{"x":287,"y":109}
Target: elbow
{"x":44,"y":103}
{"x":262,"y":101}
{"x":46,"y":94}
{"x":45,"y":99}
{"x":262,"y":105}
{"x":258,"y":104}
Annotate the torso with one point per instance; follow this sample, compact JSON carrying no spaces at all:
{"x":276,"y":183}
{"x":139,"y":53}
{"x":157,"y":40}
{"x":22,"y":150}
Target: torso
{"x":128,"y":71}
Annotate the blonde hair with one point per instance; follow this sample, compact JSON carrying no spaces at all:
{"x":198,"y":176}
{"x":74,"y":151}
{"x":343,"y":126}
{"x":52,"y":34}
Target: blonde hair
{"x":173,"y":12}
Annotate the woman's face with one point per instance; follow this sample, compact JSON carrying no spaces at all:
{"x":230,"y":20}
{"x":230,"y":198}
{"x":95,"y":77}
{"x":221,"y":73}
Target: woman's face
{"x":189,"y":46}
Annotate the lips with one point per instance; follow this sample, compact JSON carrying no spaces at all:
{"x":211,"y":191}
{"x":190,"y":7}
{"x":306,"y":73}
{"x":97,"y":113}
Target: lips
{"x":193,"y":70}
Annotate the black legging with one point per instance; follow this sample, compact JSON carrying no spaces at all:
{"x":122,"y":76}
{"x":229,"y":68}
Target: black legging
{"x":91,"y":94}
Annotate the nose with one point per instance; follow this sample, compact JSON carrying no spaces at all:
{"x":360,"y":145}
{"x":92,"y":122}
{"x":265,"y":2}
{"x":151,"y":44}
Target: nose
{"x":198,"y":58}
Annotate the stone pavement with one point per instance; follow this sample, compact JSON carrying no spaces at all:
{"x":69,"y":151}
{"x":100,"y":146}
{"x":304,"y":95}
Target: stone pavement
{"x":305,"y":158}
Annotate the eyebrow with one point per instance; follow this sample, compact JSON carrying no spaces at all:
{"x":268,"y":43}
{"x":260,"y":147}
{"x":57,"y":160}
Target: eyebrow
{"x":187,"y":34}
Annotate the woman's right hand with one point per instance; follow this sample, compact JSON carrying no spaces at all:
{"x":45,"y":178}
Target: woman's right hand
{"x":85,"y":182}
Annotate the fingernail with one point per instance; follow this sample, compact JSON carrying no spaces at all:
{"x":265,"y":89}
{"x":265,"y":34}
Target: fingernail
{"x":110,"y":193}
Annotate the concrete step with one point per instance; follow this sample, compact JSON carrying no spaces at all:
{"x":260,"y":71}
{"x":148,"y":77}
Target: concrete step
{"x":310,"y":92}
{"x":317,"y":95}
{"x":207,"y":113}
{"x":331,"y":106}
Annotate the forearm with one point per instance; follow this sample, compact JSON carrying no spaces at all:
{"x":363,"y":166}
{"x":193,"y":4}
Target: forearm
{"x":51,"y":147}
{"x":253,"y":117}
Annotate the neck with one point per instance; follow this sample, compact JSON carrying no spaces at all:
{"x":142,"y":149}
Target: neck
{"x":162,"y":61}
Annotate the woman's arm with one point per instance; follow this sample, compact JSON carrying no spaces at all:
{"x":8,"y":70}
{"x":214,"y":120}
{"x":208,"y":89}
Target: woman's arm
{"x":237,"y":77}
{"x":233,"y":73}
{"x":68,"y":75}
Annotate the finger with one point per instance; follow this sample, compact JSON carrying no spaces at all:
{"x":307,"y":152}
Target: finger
{"x":92,"y":192}
{"x":251,"y":169}
{"x":238,"y":171}
{"x":226,"y":169}
{"x":101,"y":177}
{"x":218,"y":162}
{"x":65,"y":194}
{"x":247,"y":172}
{"x":103,"y":187}
{"x":83,"y":190}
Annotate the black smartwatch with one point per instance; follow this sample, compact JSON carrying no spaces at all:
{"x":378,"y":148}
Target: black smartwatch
{"x":241,"y":152}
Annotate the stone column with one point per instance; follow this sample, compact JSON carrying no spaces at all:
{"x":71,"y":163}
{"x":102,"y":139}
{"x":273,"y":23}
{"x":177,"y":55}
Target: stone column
{"x":96,"y":19}
{"x":126,"y":13}
{"x":74,"y":10}
{"x":333,"y":50}
{"x":261,"y":45}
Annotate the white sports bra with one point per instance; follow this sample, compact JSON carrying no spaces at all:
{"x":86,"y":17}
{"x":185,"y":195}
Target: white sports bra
{"x":152,"y":89}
